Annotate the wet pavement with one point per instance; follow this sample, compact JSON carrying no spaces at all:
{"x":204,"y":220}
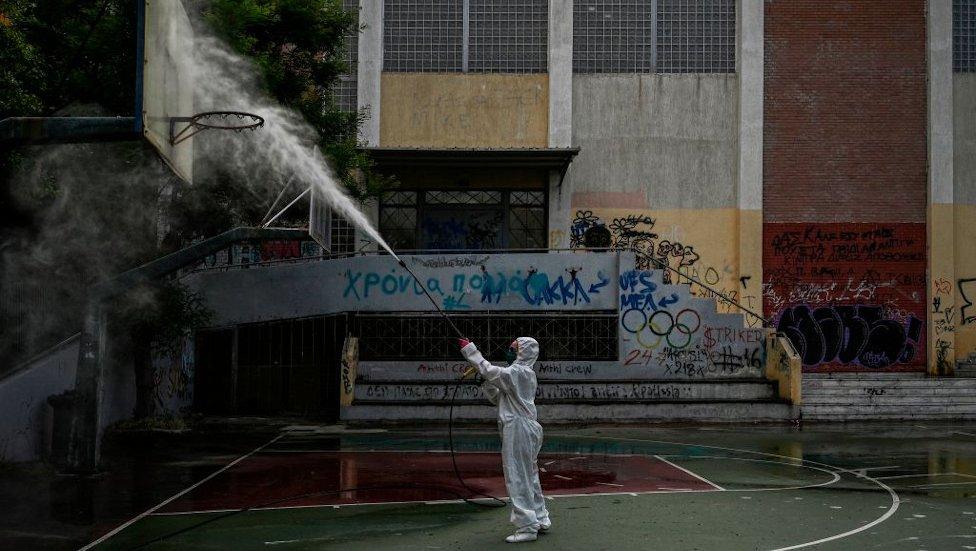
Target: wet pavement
{"x":883,"y":486}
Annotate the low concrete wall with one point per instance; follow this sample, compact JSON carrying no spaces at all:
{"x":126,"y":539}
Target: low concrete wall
{"x":23,"y":396}
{"x":784,"y":366}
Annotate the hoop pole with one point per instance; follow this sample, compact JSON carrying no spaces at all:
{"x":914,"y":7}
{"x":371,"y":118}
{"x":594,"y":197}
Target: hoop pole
{"x":278,"y":198}
{"x":288,"y":206}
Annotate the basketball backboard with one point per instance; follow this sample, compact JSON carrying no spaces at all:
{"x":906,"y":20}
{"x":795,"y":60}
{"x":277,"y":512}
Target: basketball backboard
{"x":167,"y":80}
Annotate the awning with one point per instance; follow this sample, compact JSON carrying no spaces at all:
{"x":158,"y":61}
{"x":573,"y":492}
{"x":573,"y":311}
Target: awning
{"x":551,"y":158}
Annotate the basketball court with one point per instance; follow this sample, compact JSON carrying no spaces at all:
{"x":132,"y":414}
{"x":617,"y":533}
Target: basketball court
{"x":607,"y":488}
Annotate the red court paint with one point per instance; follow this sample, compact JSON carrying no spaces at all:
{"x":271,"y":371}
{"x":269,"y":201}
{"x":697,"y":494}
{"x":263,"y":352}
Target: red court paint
{"x":263,"y":480}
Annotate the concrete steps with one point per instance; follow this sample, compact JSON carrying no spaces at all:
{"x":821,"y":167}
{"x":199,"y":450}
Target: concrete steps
{"x":716,"y":400}
{"x":864,"y":396}
{"x":639,"y":391}
{"x":715,"y":412}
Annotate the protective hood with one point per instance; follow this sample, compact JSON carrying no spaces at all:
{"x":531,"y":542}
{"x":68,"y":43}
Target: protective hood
{"x":528,"y":351}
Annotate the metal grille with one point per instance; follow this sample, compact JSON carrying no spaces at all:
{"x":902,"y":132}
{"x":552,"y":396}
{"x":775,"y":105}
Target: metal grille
{"x":423,"y":35}
{"x":508,"y":36}
{"x":426,"y":337}
{"x":526,"y":227}
{"x":536,"y":198}
{"x":343,"y":235}
{"x":964,"y":36}
{"x":463,"y":197}
{"x":346,"y":90}
{"x":613,"y":36}
{"x":696,"y":36}
{"x":279,"y":366}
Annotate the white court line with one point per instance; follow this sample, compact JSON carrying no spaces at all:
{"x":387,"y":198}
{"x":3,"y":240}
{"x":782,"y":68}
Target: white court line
{"x":924,"y":474}
{"x":795,"y":463}
{"x":179,"y":495}
{"x":834,"y":476}
{"x":895,"y":500}
{"x":686,"y":471}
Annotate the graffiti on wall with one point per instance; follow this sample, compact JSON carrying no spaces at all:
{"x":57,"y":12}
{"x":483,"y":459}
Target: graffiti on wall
{"x":660,"y":328}
{"x":475,"y":230}
{"x":632,"y":232}
{"x":967,"y":292}
{"x":173,"y":372}
{"x":459,"y":289}
{"x":246,"y":253}
{"x":849,"y":296}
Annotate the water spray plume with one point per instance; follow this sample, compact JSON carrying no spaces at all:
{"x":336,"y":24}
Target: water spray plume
{"x":284,"y":148}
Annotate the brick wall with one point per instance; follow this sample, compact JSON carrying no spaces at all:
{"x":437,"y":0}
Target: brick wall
{"x":844,"y":192}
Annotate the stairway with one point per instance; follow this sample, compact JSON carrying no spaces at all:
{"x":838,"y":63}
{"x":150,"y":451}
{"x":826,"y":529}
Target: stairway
{"x":871,"y":396}
{"x":715,"y":374}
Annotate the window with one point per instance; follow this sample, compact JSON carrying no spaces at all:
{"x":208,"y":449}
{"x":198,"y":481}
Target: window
{"x":491,"y":36}
{"x":613,"y":36}
{"x":695,"y":36}
{"x":508,"y":36}
{"x":464,"y":219}
{"x":347,"y":87}
{"x":427,"y":337}
{"x":964,"y":36}
{"x":343,"y":235}
{"x":647,"y":36}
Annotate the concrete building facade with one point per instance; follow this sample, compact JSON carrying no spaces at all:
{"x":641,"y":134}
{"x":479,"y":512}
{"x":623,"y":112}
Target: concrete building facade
{"x":629,"y":181}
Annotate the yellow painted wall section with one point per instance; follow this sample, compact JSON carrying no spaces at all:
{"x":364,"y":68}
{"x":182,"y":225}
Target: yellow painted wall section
{"x":964,"y":286}
{"x":455,"y":110}
{"x":701,"y":243}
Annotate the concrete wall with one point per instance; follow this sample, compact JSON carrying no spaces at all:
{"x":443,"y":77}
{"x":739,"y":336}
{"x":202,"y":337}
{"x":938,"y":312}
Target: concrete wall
{"x":657,"y":170}
{"x":963,"y":288}
{"x":668,"y":139}
{"x":464,"y":110}
{"x":23,"y":397}
{"x":496,"y":282}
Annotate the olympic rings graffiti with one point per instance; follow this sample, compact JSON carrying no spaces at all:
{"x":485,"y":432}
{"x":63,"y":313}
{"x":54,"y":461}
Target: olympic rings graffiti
{"x":662,"y":324}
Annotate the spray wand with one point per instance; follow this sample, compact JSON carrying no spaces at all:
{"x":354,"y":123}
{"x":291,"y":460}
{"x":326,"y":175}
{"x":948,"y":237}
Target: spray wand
{"x":457,"y":386}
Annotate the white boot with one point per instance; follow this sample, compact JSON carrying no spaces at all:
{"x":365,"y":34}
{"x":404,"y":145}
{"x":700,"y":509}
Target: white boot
{"x":545,"y":525}
{"x":520,"y":537}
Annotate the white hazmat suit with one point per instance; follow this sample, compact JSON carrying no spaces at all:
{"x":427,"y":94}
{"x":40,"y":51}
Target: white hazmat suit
{"x":512,"y":389}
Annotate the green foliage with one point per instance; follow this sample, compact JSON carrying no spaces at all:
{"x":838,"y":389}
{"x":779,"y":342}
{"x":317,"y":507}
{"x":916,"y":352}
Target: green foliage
{"x":58,"y":52}
{"x":162,"y":313}
{"x":299,"y":47}
{"x":20,"y":73}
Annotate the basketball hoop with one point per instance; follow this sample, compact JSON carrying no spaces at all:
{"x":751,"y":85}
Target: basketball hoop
{"x":237,"y":121}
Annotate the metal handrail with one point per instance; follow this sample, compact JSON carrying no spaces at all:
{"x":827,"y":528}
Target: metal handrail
{"x":664,"y":266}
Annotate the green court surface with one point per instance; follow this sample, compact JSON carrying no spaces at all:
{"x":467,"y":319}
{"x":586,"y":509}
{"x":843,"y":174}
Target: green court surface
{"x":881,"y":487}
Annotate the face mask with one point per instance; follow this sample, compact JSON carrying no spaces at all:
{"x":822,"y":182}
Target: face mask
{"x":511,"y":354}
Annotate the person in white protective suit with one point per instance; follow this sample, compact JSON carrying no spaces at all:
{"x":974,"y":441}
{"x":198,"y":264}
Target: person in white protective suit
{"x":512,"y":389}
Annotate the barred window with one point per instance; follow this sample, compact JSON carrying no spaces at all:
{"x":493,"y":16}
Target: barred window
{"x":492,"y":36}
{"x":696,"y":36}
{"x":464,"y":219}
{"x":343,"y":235}
{"x":428,"y":337}
{"x":423,"y":35}
{"x":346,"y":89}
{"x":508,"y":36}
{"x":613,"y":36}
{"x":964,"y":36}
{"x":647,"y":36}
